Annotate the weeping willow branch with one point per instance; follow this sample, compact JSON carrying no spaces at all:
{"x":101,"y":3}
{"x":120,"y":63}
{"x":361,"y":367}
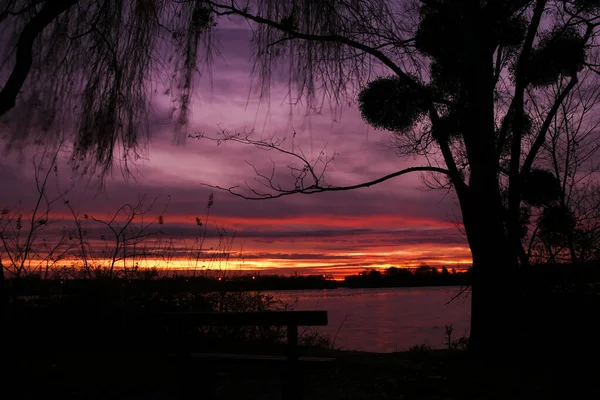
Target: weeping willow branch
{"x":24,"y":57}
{"x":93,"y":67}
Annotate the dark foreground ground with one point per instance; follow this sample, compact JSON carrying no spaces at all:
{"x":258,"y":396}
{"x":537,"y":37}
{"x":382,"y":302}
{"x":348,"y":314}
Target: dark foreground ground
{"x":354,"y":375}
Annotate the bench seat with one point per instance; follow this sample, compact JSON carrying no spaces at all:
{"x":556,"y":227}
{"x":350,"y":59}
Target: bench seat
{"x":259,"y":357}
{"x":292,"y":389}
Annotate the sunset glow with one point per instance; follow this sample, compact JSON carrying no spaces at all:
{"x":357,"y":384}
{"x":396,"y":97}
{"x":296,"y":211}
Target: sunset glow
{"x":311,"y":245}
{"x":396,"y":223}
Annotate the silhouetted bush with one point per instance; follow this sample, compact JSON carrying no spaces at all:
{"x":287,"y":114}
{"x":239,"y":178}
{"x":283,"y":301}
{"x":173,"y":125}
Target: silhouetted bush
{"x":122,"y":315}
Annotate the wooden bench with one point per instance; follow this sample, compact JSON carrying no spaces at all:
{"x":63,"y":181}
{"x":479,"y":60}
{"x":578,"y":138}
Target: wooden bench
{"x":290,"y":319}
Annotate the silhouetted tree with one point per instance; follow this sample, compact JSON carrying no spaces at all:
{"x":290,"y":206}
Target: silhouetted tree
{"x":473,"y":86}
{"x":93,"y":66}
{"x":570,"y":184}
{"x":398,"y":272}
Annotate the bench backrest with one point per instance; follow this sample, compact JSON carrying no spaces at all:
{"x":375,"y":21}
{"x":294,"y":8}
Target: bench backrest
{"x":257,"y":318}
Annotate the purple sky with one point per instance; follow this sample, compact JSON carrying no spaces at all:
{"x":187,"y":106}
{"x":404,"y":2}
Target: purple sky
{"x":393,"y":223}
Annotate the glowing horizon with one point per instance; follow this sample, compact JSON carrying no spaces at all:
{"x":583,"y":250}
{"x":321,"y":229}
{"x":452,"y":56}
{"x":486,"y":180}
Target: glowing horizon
{"x":274,"y":268}
{"x":395,"y":223}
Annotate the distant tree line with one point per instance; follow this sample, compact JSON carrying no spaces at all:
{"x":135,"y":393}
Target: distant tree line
{"x":406,"y":277}
{"x":153,"y":281}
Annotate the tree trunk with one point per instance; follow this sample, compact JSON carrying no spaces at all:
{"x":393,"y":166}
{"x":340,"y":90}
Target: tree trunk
{"x":495,"y":282}
{"x":494,"y":294}
{"x":494,"y":260}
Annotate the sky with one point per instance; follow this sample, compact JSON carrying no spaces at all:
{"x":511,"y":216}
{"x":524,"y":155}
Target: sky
{"x":396,"y":223}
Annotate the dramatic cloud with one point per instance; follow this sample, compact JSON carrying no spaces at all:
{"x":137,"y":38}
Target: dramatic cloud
{"x":393,"y":223}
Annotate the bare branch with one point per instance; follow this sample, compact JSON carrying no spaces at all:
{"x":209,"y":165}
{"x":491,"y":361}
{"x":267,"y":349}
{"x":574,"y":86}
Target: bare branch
{"x":316,"y":188}
{"x":541,"y":137}
{"x":306,"y":178}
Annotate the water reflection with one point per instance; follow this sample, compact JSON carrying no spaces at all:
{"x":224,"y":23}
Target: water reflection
{"x":389,"y":319}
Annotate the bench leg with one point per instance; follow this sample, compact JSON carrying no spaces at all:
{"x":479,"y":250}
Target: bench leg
{"x":293,"y":382}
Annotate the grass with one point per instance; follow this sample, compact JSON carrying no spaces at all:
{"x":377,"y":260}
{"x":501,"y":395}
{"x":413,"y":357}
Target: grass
{"x":355,"y":375}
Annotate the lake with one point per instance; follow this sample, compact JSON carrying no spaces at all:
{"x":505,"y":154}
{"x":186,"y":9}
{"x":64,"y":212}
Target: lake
{"x":388,"y":319}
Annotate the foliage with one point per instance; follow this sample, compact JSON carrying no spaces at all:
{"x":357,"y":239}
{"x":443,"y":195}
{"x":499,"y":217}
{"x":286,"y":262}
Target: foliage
{"x":555,"y":224}
{"x":541,"y":187}
{"x":90,"y":312}
{"x":437,"y":36}
{"x":420,"y":349}
{"x":388,"y":103}
{"x":587,"y":5}
{"x":408,"y":277}
{"x":461,"y":343}
{"x":561,"y":52}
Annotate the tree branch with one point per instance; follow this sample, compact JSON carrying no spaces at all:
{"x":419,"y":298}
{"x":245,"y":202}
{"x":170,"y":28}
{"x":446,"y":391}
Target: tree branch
{"x":309,"y":177}
{"x":24,"y":57}
{"x":455,"y":176}
{"x":317,"y":188}
{"x":541,"y":137}
{"x":423,"y":92}
{"x":516,"y":105}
